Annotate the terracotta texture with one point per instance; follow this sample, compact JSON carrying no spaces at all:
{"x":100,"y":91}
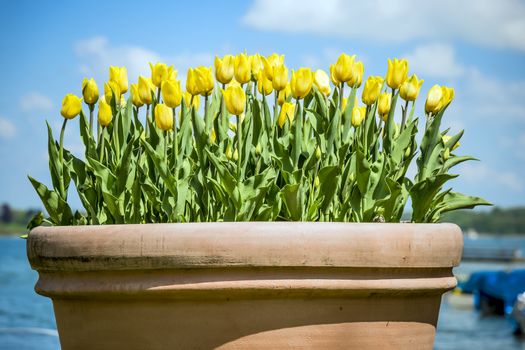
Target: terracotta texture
{"x":246,"y":285}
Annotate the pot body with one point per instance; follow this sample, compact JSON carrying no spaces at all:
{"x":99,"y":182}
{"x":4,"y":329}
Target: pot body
{"x":252,"y":285}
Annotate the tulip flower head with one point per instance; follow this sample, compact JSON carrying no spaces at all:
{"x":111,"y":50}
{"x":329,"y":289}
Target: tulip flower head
{"x":71,"y":106}
{"x":409,"y":90}
{"x":397,"y":72}
{"x":135,"y":96}
{"x":284,"y":95}
{"x":171,"y":93}
{"x":447,"y":96}
{"x":163,"y":117}
{"x":343,"y":70}
{"x":357,"y":75}
{"x":446,"y":139}
{"x":90,"y":91}
{"x":105,"y":114}
{"x":280,"y":77}
{"x":333,"y":78}
{"x":383,"y":106}
{"x":204,"y":80}
{"x":271,"y":62}
{"x":287,"y":112}
{"x":264,"y":85}
{"x":111,"y":89}
{"x":434,"y":100}
{"x":257,"y":65}
{"x":235,"y":99}
{"x":322,"y":82}
{"x":224,"y":69}
{"x":372,"y":90}
{"x":160,"y":72}
{"x":146,"y":90}
{"x":358,"y":115}
{"x":120,"y":76}
{"x":301,"y":83}
{"x":242,"y":71}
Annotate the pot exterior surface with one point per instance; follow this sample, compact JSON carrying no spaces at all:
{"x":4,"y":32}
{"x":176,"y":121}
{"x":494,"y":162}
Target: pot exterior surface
{"x":246,"y":285}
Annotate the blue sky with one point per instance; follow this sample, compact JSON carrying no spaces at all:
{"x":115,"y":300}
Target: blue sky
{"x":477,"y":47}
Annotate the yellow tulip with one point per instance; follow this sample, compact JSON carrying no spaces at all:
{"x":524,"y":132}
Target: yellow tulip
{"x":383,"y":106}
{"x":242,"y":69}
{"x":90,"y":91}
{"x":257,"y":65}
{"x":322,"y":82}
{"x":271,"y":62}
{"x":434,"y":100}
{"x":284,"y":94}
{"x":448,"y":96}
{"x":191,"y":82}
{"x":301,"y":83}
{"x":344,"y":103}
{"x":163,"y":117}
{"x":71,"y":106}
{"x":146,"y":89}
{"x":160,"y":72}
{"x":397,"y":72}
{"x":409,"y":90}
{"x":287,"y":111}
{"x":188,"y":97}
{"x":372,"y":90}
{"x":205,"y":82}
{"x":111,"y":88}
{"x":135,"y":95}
{"x":119,"y":76}
{"x":358,"y":115}
{"x":173,"y":75}
{"x":224,"y":69}
{"x":104,"y":113}
{"x":213,"y":136}
{"x":264,"y":85}
{"x":280,"y":77}
{"x":333,"y":78}
{"x":357,"y":75}
{"x":344,"y":68}
{"x":447,"y":138}
{"x":171,"y":93}
{"x":235,"y":99}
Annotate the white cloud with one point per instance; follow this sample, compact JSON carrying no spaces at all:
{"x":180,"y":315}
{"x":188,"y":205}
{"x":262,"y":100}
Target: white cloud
{"x":480,"y":173}
{"x":97,"y":54}
{"x":35,"y":101}
{"x":484,"y":22}
{"x":7,"y":129}
{"x":435,"y":60}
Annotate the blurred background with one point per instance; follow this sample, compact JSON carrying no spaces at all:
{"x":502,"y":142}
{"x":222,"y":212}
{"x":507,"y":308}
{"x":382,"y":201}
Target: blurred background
{"x":476,"y":47}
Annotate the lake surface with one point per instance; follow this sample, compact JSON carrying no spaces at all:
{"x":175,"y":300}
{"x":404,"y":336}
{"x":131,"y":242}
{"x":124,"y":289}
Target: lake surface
{"x":27,"y":321}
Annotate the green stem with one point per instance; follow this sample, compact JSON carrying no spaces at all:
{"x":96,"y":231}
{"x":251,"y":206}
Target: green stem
{"x":158,"y":95}
{"x":341,"y":96}
{"x":61,"y":156}
{"x":102,"y":145}
{"x":239,"y":146}
{"x":165,"y":146}
{"x":175,"y":145}
{"x":405,"y":110}
{"x":91,"y":108}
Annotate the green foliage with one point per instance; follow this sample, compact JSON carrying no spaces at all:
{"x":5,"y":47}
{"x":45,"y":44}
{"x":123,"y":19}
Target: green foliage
{"x":316,"y":168}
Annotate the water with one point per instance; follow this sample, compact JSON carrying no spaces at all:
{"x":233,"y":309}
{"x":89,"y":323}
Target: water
{"x":27,"y":321}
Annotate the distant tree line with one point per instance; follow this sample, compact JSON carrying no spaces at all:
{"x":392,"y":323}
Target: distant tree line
{"x":496,"y":221}
{"x":9,"y":215}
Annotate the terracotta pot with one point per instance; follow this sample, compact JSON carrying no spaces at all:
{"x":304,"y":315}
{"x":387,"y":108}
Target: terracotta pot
{"x":249,"y":285}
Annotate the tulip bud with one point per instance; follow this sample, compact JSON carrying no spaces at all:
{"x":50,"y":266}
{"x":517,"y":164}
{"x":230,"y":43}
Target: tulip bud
{"x":160,"y":72}
{"x":280,"y":77}
{"x":317,"y":182}
{"x":446,"y":139}
{"x":235,"y":155}
{"x":447,"y":96}
{"x":258,"y":149}
{"x":317,"y":153}
{"x":397,"y":72}
{"x":146,"y":89}
{"x":408,"y":151}
{"x":322,"y":82}
{"x":256,"y":65}
{"x":111,"y":88}
{"x":163,"y":117}
{"x":409,"y":90}
{"x":271,"y":62}
{"x":301,"y":83}
{"x":242,"y":69}
{"x":333,"y":78}
{"x":171,"y":93}
{"x":228,"y":151}
{"x":119,"y":76}
{"x":204,"y":80}
{"x":434,"y":101}
{"x":287,"y":111}
{"x":135,"y":95}
{"x":264,"y":85}
{"x":224,"y":69}
{"x":383,"y":106}
{"x":90,"y":91}
{"x":357,"y":75}
{"x":372,"y":90}
{"x":191,"y":82}
{"x":71,"y":106}
{"x":284,"y":95}
{"x":235,"y":99}
{"x":213,"y":136}
{"x":344,"y":67}
{"x":188,"y":98}
{"x":358,"y":115}
{"x":104,"y":113}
